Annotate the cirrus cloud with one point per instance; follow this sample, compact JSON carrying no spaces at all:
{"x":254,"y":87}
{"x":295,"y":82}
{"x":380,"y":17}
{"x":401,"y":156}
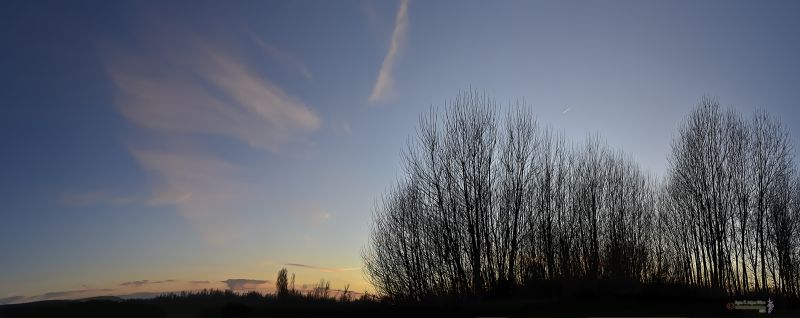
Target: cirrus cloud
{"x":383,"y":85}
{"x":180,"y":86}
{"x":208,"y":92}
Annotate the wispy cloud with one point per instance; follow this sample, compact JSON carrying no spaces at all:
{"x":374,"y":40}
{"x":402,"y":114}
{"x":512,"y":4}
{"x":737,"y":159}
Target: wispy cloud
{"x":210,"y":92}
{"x":245,"y":284}
{"x":181,"y":85}
{"x":204,"y":189}
{"x":282,"y":56}
{"x":135,"y":283}
{"x":178,"y":78}
{"x":138,"y":283}
{"x":72,"y":294}
{"x":384,"y":83}
{"x":95,"y":197}
{"x":325,"y":269}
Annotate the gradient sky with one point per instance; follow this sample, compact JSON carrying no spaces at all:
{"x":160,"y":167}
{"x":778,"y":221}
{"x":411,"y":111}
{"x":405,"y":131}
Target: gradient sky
{"x":150,"y":147}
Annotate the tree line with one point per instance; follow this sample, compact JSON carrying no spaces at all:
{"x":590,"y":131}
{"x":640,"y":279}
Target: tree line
{"x":491,"y":201}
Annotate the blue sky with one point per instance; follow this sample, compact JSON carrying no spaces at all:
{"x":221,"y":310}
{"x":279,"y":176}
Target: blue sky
{"x":205,"y":141}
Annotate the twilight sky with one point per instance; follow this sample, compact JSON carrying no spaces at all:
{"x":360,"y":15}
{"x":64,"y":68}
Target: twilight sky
{"x":150,"y":147}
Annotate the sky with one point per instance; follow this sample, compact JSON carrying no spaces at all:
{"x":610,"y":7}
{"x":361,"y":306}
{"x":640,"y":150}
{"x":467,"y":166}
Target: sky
{"x":175,"y":145}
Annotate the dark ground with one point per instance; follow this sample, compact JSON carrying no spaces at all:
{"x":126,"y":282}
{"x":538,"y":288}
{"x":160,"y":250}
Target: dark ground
{"x":516,"y":308}
{"x":625,"y":301}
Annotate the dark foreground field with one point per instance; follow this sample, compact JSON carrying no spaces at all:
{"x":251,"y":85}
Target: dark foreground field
{"x":643,"y":303}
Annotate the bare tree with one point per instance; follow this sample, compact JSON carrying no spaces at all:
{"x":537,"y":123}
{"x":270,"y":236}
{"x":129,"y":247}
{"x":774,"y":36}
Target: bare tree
{"x":514,"y":181}
{"x":490,"y":204}
{"x":771,"y":164}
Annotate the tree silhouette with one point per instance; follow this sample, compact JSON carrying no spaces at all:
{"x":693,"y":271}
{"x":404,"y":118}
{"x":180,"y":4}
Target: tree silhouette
{"x":731,"y":183}
{"x":282,"y":283}
{"x":490,"y":203}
